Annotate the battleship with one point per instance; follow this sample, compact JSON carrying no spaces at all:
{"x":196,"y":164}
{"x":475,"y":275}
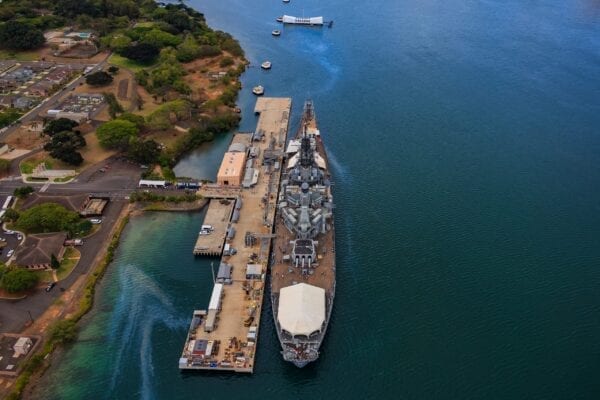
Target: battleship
{"x":303,"y":257}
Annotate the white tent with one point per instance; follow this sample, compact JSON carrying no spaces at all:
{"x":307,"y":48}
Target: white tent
{"x":301,"y":309}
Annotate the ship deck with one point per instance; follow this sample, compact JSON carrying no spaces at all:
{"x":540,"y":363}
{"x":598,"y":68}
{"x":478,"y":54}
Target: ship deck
{"x":233,"y":344}
{"x":282,"y":273}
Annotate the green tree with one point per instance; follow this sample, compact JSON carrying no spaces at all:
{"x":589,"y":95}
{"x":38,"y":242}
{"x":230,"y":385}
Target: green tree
{"x":18,"y":279}
{"x":11,"y":215}
{"x":160,"y":39}
{"x":64,"y":145}
{"x":54,"y":263}
{"x":23,"y":191}
{"x":59,"y":125}
{"x":16,"y":35}
{"x":47,"y":217}
{"x":99,"y":78}
{"x":113,"y":69}
{"x":138,"y":120}
{"x":63,"y":331}
{"x":116,"y":134}
{"x":9,"y":116}
{"x":114,"y":107}
{"x":141,"y":52}
{"x":143,"y":151}
{"x":188,"y":50}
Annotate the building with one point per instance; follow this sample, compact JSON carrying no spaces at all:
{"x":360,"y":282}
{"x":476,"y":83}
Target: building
{"x":36,"y":252}
{"x":22,"y":346}
{"x":232,"y":169}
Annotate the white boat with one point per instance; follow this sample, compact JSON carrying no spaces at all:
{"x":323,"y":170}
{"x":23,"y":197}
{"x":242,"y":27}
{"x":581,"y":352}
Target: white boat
{"x":288,"y":19}
{"x":266,"y":65}
{"x":279,"y":19}
{"x":276,"y":32}
{"x":258,"y":90}
{"x":286,"y":1}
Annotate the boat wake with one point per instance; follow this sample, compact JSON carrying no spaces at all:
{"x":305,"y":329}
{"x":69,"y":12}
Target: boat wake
{"x":140,"y":308}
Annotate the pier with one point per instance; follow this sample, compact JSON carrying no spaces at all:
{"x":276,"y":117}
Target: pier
{"x":224,"y":336}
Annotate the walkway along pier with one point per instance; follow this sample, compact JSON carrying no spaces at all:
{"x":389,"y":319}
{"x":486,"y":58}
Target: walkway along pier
{"x":239,"y":227}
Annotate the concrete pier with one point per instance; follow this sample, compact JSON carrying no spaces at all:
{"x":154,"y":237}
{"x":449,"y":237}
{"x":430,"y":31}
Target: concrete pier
{"x":210,"y":242}
{"x":224,"y":336}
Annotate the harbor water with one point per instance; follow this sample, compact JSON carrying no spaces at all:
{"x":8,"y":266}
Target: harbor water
{"x":464,"y":138}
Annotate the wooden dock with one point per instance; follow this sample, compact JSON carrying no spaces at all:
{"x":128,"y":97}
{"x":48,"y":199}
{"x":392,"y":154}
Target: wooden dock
{"x":224,"y":336}
{"x":217,"y":216}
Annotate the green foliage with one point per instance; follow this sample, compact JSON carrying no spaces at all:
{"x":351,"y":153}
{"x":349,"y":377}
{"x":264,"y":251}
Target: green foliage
{"x":54,"y":263}
{"x":154,"y":197}
{"x":119,"y":42}
{"x":11,"y":215}
{"x":64,"y":145}
{"x":16,"y":35}
{"x":116,"y":134}
{"x":141,"y":52}
{"x":143,"y":151}
{"x":160,"y":39}
{"x":226,"y":62}
{"x":138,"y":120}
{"x":59,"y":125}
{"x":9,"y":116}
{"x":23,"y":191}
{"x":188,"y":50}
{"x":206,"y":50}
{"x":4,"y":166}
{"x":99,"y":78}
{"x":18,"y":279}
{"x":114,"y":107}
{"x":113,"y":70}
{"x":167,"y":114}
{"x":47,"y":217}
{"x":62,"y":332}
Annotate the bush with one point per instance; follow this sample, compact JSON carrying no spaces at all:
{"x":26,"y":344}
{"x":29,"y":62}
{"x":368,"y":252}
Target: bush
{"x":4,"y":166}
{"x":9,"y":116}
{"x":62,"y":332}
{"x":23,"y":191}
{"x":226,"y":62}
{"x":99,"y":78}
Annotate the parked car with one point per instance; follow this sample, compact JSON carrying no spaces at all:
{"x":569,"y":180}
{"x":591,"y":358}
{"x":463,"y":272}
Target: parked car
{"x":2,"y":240}
{"x":50,"y":286}
{"x":19,"y":237}
{"x":10,"y":232}
{"x":96,"y":221}
{"x":10,"y":253}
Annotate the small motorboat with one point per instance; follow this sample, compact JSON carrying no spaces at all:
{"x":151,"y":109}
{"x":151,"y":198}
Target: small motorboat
{"x":276,"y":32}
{"x":258,"y":90}
{"x":286,"y":1}
{"x":279,"y":19}
{"x":266,"y":65}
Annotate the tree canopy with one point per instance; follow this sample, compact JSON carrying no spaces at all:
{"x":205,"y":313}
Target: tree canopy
{"x":17,"y":279}
{"x":143,"y":151}
{"x":116,"y":134}
{"x":99,"y":78}
{"x":141,"y":52}
{"x":64,"y":145}
{"x":47,"y":217}
{"x":16,"y":35}
{"x":59,"y":125}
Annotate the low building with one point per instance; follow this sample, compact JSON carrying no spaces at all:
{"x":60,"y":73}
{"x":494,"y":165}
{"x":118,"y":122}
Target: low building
{"x":37,"y":251}
{"x":23,"y":345}
{"x":232,"y":169}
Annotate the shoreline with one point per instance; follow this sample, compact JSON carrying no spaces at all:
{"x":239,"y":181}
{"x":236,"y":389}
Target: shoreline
{"x":57,"y":354}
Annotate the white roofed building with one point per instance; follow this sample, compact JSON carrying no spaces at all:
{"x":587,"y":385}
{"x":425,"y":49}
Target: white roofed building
{"x":301,"y":309}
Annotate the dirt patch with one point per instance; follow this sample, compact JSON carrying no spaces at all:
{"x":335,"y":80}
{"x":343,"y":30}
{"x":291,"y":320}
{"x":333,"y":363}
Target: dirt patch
{"x":123,"y":89}
{"x":147,"y":101}
{"x":80,"y":51}
{"x":93,"y":153}
{"x":23,"y":138}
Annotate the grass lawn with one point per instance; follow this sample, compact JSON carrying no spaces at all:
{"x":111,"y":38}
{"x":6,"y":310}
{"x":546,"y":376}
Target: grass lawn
{"x":19,"y":56}
{"x":124,"y":62}
{"x":45,"y":276}
{"x":70,"y":260}
{"x":26,"y":167}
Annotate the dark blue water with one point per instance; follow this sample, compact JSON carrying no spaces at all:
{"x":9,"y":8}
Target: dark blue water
{"x":465,"y":140}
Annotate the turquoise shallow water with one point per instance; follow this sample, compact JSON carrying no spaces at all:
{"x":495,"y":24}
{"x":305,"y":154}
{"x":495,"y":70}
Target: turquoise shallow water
{"x":465,"y":143}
